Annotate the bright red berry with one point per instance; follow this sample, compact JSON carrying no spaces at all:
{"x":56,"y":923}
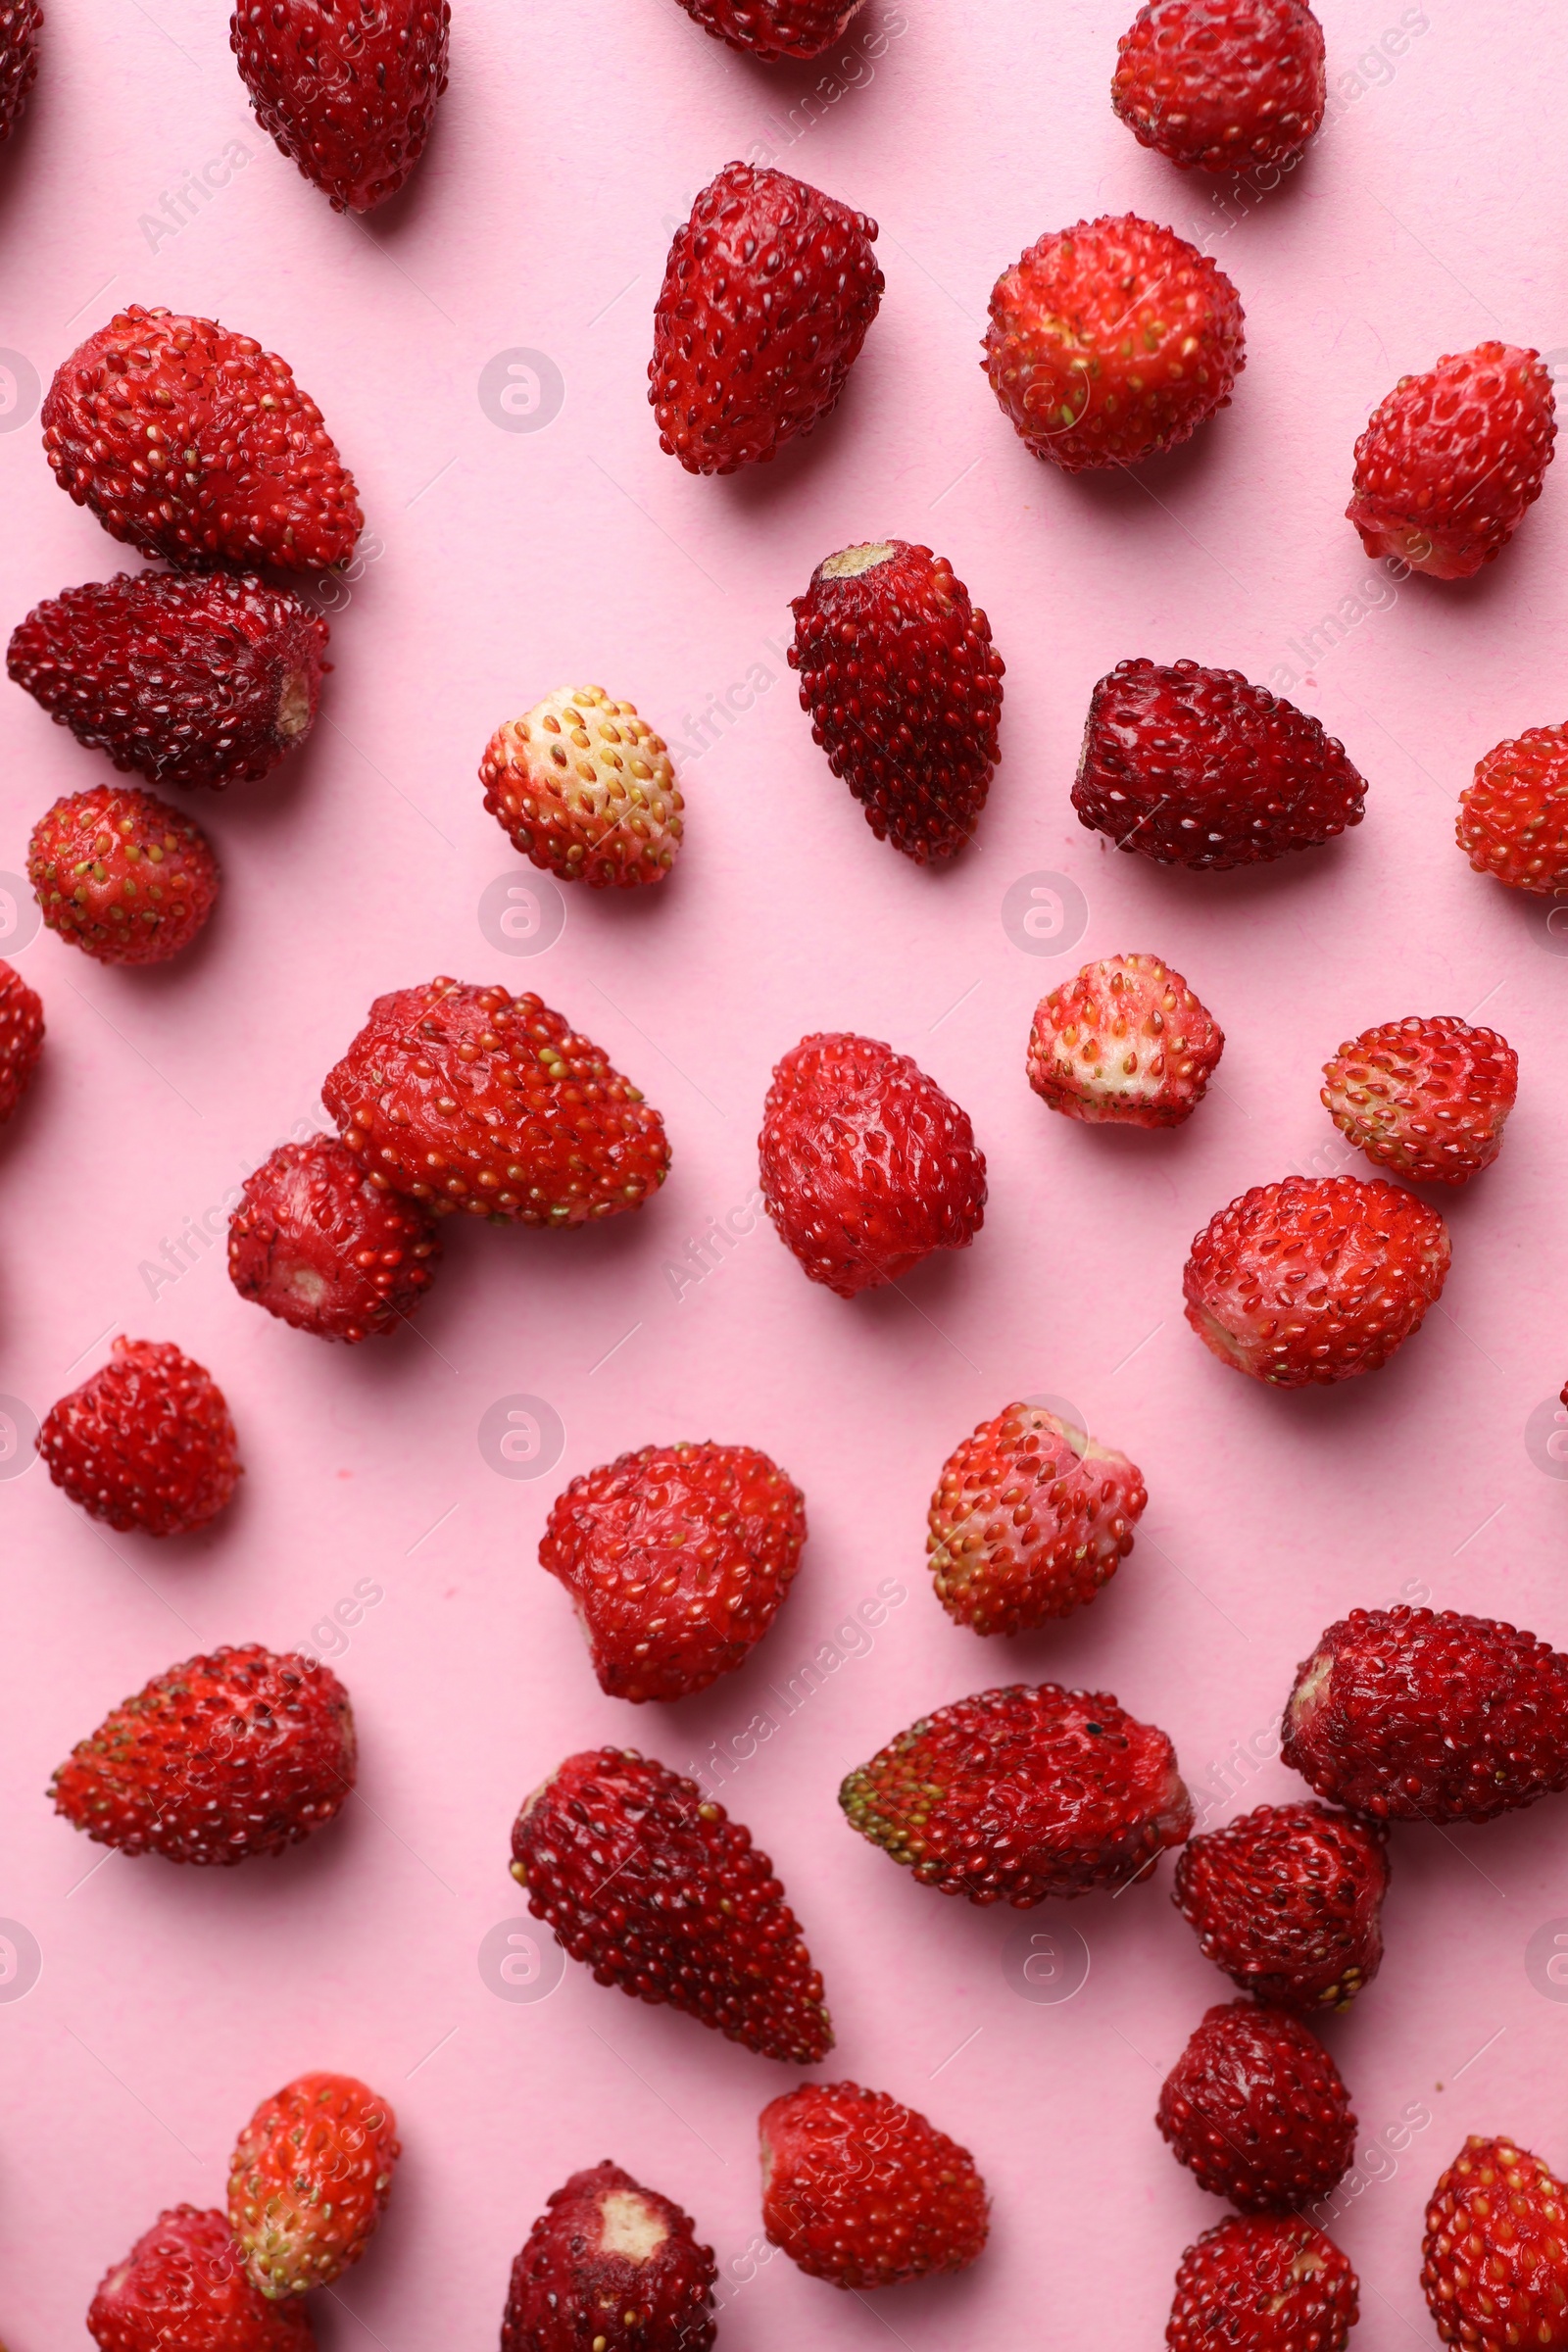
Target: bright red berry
{"x":640,"y":1874}
{"x":218,"y":1759}
{"x":612,"y":2264}
{"x":1451,"y":460}
{"x":183,"y":2288}
{"x":768,"y":30}
{"x":1263,"y":2283}
{"x":864,"y":2192}
{"x":1427,"y":1098}
{"x":1495,"y":2256}
{"x":348,"y":93}
{"x":146,"y":1441}
{"x":769,"y":292}
{"x":585,"y":789}
{"x":317,"y":1244}
{"x":1288,"y":1900}
{"x":1255,"y":2107}
{"x":121,"y":874}
{"x":20,"y":22}
{"x":21,"y":1037}
{"x":904,"y":686}
{"x":192,"y":442}
{"x":1225,"y":85}
{"x":1125,"y":1043}
{"x":1513,"y":815}
{"x":309,"y":2181}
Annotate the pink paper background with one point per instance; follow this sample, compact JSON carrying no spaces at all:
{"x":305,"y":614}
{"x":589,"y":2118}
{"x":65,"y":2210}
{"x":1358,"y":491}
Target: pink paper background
{"x":506,"y":562}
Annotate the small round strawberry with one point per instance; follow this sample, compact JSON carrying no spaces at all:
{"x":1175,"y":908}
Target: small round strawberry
{"x":1028,"y":1521}
{"x":349,"y":94}
{"x":866,"y":1164}
{"x":1427,"y":1098}
{"x":317,"y":1244}
{"x":1288,"y":1900}
{"x":1112,"y":341}
{"x":19,"y":25}
{"x":1513,"y":815}
{"x":769,"y":292}
{"x":611,"y":2265}
{"x":1255,"y":2107}
{"x":1495,"y":2256}
{"x":183,"y":2288}
{"x":1223,"y":84}
{"x":1263,"y":2283}
{"x":1126,"y":1043}
{"x":584,"y":787}
{"x":864,"y":2192}
{"x":904,"y":686}
{"x":1195,"y":767}
{"x":1451,"y":460}
{"x":678,"y":1558}
{"x":1317,"y":1279}
{"x":146,"y":1441}
{"x":768,"y":30}
{"x":309,"y":2181}
{"x":21,"y":1037}
{"x":121,"y":874}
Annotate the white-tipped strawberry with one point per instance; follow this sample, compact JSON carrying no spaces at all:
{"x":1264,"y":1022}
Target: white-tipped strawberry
{"x":1126,"y":1042}
{"x":586,"y":789}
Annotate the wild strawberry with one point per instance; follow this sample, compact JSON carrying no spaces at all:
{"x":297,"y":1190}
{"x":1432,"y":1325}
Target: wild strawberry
{"x":309,"y":2181}
{"x":905,"y":690}
{"x":193,"y":679}
{"x":317,"y":1244}
{"x":20,"y":22}
{"x":640,"y":1874}
{"x":585,"y":788}
{"x":348,"y":93}
{"x":1427,"y":1098}
{"x":867,"y":1165}
{"x":864,"y":2192}
{"x":21,"y":1038}
{"x":1013,"y":1795}
{"x":1411,"y":1716}
{"x":192,"y":442}
{"x":146,"y":1441}
{"x":769,"y":292}
{"x":768,"y":30}
{"x":614,"y":2264}
{"x":1263,"y":2283}
{"x":1225,"y":85}
{"x":183,"y":2288}
{"x":1112,"y":341}
{"x":121,"y":874}
{"x":678,"y":1558}
{"x":1126,"y":1043}
{"x":1195,"y":767}
{"x":1317,"y":1279}
{"x":1495,"y":2256}
{"x":1288,"y":1901}
{"x":470,"y":1097}
{"x":218,"y":1759}
{"x":1451,"y":460}
{"x":1028,"y":1521}
{"x":1513,"y":815}
{"x":1255,"y":2107}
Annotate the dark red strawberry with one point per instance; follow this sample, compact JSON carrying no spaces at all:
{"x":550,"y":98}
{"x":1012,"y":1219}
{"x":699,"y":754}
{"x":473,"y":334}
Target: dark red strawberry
{"x":1427,"y":1098}
{"x":867,"y":1165}
{"x":862,"y":2191}
{"x":678,"y":1558}
{"x":1126,"y":1042}
{"x":1288,"y":1900}
{"x":317,"y":1244}
{"x":1255,"y":2107}
{"x":204,"y":679}
{"x":20,"y":23}
{"x":1513,"y":814}
{"x":904,"y":691}
{"x":21,"y":1037}
{"x":1225,"y":85}
{"x":582,"y":786}
{"x":309,"y":2181}
{"x":121,"y":874}
{"x":183,"y":2288}
{"x":470,"y":1098}
{"x":1263,"y":2283}
{"x":768,"y":30}
{"x":1451,"y":460}
{"x":613,"y":2266}
{"x":146,"y":1441}
{"x":1411,"y":1716}
{"x":647,"y":1880}
{"x":1495,"y":2256}
{"x":1016,"y":1795}
{"x":218,"y":1759}
{"x":192,"y":442}
{"x":769,"y":292}
{"x":348,"y":88}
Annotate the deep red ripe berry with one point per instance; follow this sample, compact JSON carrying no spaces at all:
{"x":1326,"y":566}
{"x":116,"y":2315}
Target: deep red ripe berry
{"x":585,"y":789}
{"x":1263,"y":2283}
{"x":146,"y":1441}
{"x":769,"y":292}
{"x":867,"y":1165}
{"x":192,"y":442}
{"x":864,"y":2192}
{"x":904,"y":691}
{"x":309,"y":2181}
{"x":1288,"y":1900}
{"x":20,"y":22}
{"x":347,"y":88}
{"x":189,"y":679}
{"x":121,"y":874}
{"x":614,"y":2264}
{"x":768,"y":30}
{"x":1495,"y":2256}
{"x":21,"y":1038}
{"x":317,"y":1244}
{"x":1451,"y":460}
{"x":640,"y":1874}
{"x":1513,"y":815}
{"x":1255,"y":2107}
{"x":1427,"y":1098}
{"x":183,"y":2288}
{"x":1127,"y":1043}
{"x":1225,"y":85}
{"x":1194,"y":766}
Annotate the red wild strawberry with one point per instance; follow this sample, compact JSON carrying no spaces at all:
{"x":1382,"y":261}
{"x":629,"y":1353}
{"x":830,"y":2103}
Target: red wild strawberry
{"x":470,"y":1097}
{"x":1225,"y":85}
{"x":348,"y":93}
{"x":146,"y":1441}
{"x":1495,"y":2256}
{"x":192,"y":442}
{"x":193,"y":679}
{"x":1427,"y":1098}
{"x":309,"y":2181}
{"x":905,"y":690}
{"x":867,"y":1165}
{"x":317,"y":1244}
{"x":769,"y":292}
{"x":121,"y":874}
{"x":217,"y":1760}
{"x":1414,"y":1717}
{"x":768,"y":30}
{"x":1317,"y":1279}
{"x":1126,"y":1043}
{"x":1029,"y":1519}
{"x":1451,"y":460}
{"x":1288,"y":1901}
{"x":20,"y":22}
{"x":1255,"y":2107}
{"x":21,"y":1038}
{"x":678,"y":1558}
{"x":640,"y":1874}
{"x":585,"y":788}
{"x":1013,"y":1795}
{"x":614,"y":2264}
{"x":183,"y":2288}
{"x":864,"y":2192}
{"x":1513,"y":815}
{"x":1262,"y":2282}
